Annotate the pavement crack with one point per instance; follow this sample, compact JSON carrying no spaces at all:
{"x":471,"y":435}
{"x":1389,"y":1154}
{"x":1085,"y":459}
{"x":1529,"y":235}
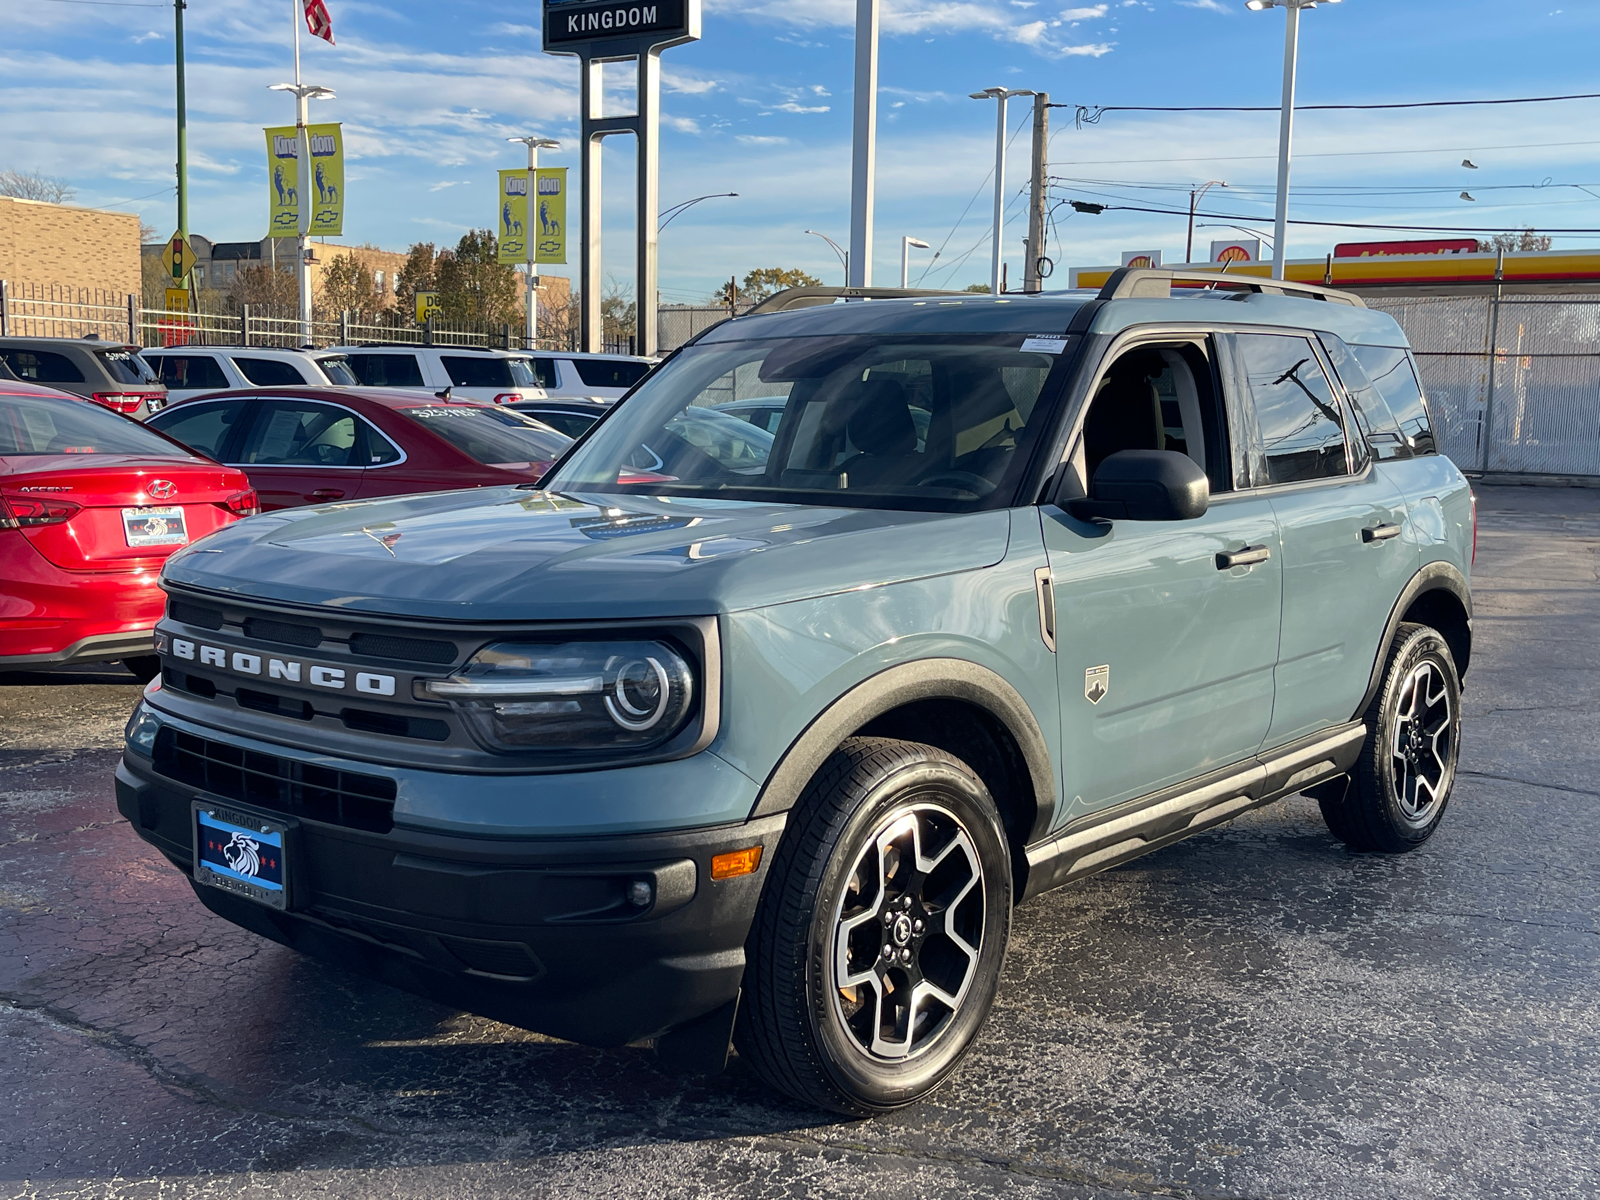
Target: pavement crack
{"x":1554,"y":787}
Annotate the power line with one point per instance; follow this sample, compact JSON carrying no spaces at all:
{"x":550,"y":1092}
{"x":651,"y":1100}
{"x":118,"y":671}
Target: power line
{"x":1174,"y":212}
{"x":1090,"y":114}
{"x":928,"y":266}
{"x":1124,"y":162}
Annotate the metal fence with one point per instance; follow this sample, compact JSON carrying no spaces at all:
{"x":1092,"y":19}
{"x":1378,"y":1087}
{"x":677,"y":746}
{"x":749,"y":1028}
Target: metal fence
{"x":1513,"y":382}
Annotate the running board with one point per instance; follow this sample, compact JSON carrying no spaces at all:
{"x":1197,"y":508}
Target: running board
{"x":1107,"y":839}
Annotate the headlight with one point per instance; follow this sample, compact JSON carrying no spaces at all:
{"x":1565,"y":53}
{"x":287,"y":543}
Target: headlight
{"x":577,"y":696}
{"x":142,"y":729}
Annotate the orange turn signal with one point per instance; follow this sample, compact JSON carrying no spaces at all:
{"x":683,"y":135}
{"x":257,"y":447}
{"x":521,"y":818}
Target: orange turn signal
{"x":735,"y":863}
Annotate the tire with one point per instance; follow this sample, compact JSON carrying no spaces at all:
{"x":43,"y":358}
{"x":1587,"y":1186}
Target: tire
{"x":1401,"y":784}
{"x":847,"y":900}
{"x":145,"y":668}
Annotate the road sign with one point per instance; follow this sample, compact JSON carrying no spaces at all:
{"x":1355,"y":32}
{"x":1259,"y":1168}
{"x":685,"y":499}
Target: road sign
{"x":177,"y":300}
{"x":622,"y":26}
{"x":427,"y":305}
{"x":177,"y":257}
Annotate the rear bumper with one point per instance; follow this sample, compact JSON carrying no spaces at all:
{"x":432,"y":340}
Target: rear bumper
{"x":50,"y":616}
{"x":534,"y":932}
{"x":102,"y":647}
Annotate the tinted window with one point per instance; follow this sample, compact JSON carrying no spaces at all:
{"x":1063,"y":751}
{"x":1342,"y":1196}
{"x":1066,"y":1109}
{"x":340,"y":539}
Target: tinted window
{"x":486,"y":371}
{"x":30,"y":425}
{"x":337,"y":368}
{"x":544,"y":371}
{"x":41,"y":366}
{"x":191,"y":371}
{"x":295,"y":433}
{"x":202,"y":427}
{"x":125,"y":366}
{"x":610,"y":372}
{"x":1378,"y":427}
{"x":491,"y":435}
{"x":768,"y":418}
{"x":269,"y":372}
{"x":569,"y":423}
{"x":1395,"y":377}
{"x":386,"y":370}
{"x":1297,"y":414}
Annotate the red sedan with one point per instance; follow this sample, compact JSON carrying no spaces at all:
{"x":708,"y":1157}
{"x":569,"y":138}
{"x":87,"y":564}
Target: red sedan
{"x":319,"y":445}
{"x":91,"y":505}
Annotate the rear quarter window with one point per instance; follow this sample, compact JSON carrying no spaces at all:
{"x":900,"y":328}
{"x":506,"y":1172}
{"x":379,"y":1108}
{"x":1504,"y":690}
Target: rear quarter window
{"x":269,"y":372}
{"x":41,"y":366}
{"x":610,"y":373}
{"x":385,"y":370}
{"x":467,"y":371}
{"x":190,"y":371}
{"x":1395,"y":376}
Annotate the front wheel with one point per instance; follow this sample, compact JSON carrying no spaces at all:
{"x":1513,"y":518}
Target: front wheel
{"x":1401,"y":785}
{"x":876,"y":952}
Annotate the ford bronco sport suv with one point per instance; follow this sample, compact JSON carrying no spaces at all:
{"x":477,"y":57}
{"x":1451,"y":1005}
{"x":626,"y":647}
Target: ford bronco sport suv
{"x":705,"y":739}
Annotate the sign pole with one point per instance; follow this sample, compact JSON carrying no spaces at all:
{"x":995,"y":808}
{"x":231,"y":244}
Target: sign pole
{"x":183,"y":135}
{"x":303,"y":171}
{"x":531,"y":334}
{"x":591,"y":332}
{"x":864,"y":165}
{"x":647,"y":297}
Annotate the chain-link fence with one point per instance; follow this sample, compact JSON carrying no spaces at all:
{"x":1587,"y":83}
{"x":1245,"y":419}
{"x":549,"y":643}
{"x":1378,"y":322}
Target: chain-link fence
{"x":1513,"y":382}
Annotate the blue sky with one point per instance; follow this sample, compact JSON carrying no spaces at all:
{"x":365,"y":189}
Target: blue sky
{"x":761,"y":106}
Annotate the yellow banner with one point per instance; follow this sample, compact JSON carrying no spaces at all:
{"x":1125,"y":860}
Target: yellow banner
{"x":283,"y":182}
{"x":513,"y":197}
{"x":550,"y":216}
{"x":327,"y":180}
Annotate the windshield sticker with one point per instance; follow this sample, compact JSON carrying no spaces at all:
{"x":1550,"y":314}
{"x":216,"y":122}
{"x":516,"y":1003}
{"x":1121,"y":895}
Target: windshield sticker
{"x":1046,"y":343}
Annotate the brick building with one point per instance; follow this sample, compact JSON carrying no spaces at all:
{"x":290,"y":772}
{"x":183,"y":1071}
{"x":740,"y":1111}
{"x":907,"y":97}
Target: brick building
{"x":61,"y":251}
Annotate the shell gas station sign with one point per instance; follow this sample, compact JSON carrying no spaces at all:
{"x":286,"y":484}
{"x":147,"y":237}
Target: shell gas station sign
{"x":1381,"y":269}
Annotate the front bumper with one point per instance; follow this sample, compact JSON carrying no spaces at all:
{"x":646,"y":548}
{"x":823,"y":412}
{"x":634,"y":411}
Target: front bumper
{"x":534,"y":932}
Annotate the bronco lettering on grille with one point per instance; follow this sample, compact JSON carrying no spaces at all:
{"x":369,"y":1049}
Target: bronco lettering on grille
{"x":337,"y":679}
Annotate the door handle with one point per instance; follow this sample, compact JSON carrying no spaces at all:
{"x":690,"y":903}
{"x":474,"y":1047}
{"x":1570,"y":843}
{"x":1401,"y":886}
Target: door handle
{"x":1044,"y":589}
{"x":1380,"y":533}
{"x":328,"y":494}
{"x":1247,"y":557}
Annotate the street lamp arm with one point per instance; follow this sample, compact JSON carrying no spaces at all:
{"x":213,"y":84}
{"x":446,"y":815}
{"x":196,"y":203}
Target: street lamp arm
{"x":672,"y":213}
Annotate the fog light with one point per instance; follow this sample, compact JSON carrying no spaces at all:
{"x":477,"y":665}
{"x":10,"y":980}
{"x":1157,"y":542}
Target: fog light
{"x":735,"y":863}
{"x":640,"y":893}
{"x":142,"y":729}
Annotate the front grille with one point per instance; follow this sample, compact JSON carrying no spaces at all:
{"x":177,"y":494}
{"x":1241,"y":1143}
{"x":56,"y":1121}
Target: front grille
{"x":283,"y":785}
{"x":195,"y":614}
{"x":395,"y":725}
{"x":266,"y":630}
{"x":383,"y":645}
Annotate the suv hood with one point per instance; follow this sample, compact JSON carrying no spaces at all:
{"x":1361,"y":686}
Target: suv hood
{"x":494,"y":554}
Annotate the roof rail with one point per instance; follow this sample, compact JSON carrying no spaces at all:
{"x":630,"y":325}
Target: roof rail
{"x":809,"y":297}
{"x":1148,"y":283}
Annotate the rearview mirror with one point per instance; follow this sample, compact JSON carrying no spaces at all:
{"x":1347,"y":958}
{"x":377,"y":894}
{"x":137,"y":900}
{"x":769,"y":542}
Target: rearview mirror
{"x":1145,"y":485}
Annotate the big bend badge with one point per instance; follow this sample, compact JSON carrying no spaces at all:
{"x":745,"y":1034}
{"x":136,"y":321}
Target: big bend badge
{"x":1096,"y":683}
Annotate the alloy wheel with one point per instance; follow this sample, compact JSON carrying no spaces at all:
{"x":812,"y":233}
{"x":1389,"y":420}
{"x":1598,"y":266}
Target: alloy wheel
{"x":1420,"y":751}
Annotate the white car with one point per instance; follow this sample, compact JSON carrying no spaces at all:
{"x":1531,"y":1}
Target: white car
{"x":191,"y":370}
{"x":589,"y":376}
{"x":470,"y":372}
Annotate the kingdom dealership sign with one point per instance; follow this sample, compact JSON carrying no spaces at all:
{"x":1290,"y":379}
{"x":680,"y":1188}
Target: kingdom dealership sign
{"x":570,"y":22}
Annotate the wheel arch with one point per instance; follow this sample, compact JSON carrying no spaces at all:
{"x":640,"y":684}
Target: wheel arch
{"x":958,"y":706}
{"x":1437,"y":596}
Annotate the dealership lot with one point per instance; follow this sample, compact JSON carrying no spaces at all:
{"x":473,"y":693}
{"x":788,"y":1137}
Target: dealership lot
{"x":1255,"y":1012}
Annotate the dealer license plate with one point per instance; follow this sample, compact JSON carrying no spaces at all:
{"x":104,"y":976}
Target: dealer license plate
{"x":241,"y":853}
{"x":155,"y":526}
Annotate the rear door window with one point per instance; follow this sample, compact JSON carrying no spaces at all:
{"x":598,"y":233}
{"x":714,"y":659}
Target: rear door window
{"x":187,"y":372}
{"x":299,"y":433}
{"x":385,"y":370}
{"x":1298,"y":419}
{"x":202,"y":427}
{"x":610,"y":372}
{"x":269,"y":372}
{"x":1394,"y":375}
{"x":41,"y":366}
{"x":544,"y":372}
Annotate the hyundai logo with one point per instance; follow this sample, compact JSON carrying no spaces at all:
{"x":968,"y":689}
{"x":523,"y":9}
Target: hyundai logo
{"x":162,"y":489}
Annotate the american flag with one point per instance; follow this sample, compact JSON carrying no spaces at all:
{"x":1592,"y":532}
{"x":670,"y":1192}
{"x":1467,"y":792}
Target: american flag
{"x":318,"y":21}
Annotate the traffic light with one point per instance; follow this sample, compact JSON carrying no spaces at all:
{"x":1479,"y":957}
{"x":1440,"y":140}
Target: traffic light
{"x":180,"y":261}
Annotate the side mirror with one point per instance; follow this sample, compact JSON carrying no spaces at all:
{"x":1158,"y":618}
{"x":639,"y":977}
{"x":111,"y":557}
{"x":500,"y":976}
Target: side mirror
{"x":1145,"y":485}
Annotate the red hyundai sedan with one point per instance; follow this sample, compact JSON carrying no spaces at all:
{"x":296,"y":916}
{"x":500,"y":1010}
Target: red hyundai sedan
{"x":321,"y":445}
{"x":91,"y":505}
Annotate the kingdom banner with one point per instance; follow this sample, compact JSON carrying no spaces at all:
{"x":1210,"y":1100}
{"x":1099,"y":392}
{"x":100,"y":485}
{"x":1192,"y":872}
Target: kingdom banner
{"x":513,"y":198}
{"x":327,"y":180}
{"x":551,"y":216}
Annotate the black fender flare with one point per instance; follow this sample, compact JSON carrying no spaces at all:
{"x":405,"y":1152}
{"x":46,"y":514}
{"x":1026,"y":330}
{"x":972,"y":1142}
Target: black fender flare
{"x":1436,"y":576}
{"x":927,"y":679}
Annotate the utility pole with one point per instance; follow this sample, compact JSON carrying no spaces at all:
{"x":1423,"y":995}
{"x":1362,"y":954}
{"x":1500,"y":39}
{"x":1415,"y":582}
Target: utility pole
{"x":863,"y":167}
{"x":1032,"y":281}
{"x":183,"y":149}
{"x":1195,"y":196}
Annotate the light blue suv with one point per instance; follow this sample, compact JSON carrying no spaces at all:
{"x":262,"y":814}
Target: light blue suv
{"x":719,"y":742}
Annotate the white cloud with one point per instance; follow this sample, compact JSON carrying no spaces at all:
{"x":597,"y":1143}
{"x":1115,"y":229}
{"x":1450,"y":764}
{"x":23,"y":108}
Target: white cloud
{"x":152,"y":36}
{"x":1208,"y":5}
{"x":682,"y":124}
{"x":996,"y":18}
{"x":684,"y":85}
{"x":1083,"y":14}
{"x":789,"y":106}
{"x":750,"y":139}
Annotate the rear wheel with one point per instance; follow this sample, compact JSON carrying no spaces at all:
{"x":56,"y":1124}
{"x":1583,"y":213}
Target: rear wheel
{"x":1401,"y":786}
{"x":876,"y":953}
{"x":145,"y":668}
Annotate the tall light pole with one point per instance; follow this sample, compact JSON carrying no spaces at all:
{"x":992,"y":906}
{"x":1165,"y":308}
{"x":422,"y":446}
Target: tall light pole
{"x":1291,"y":54}
{"x":303,"y":94}
{"x":1195,"y":196}
{"x":677,"y":210}
{"x":534,"y":145}
{"x":840,"y":251}
{"x":183,"y":151}
{"x":905,"y":257}
{"x":1002,"y":95}
{"x":863,"y":165}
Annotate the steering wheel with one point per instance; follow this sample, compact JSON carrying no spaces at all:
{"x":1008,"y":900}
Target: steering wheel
{"x":965,"y":480}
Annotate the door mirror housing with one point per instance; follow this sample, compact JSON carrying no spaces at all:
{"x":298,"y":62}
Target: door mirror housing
{"x":1145,"y":485}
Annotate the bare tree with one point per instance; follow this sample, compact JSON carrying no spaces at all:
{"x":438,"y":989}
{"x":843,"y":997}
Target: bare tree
{"x":1523,"y":242}
{"x":31,"y":185}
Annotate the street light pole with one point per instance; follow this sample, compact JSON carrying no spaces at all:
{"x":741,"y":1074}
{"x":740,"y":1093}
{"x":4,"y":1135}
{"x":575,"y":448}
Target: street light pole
{"x":303,"y":94}
{"x":1002,"y":95}
{"x":671,"y":214}
{"x":183,"y":150}
{"x":840,"y":251}
{"x":1291,"y":54}
{"x":905,"y":257}
{"x":1195,"y":196}
{"x":534,"y":144}
{"x":863,"y":168}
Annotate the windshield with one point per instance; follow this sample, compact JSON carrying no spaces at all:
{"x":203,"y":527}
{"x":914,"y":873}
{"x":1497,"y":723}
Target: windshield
{"x":40,"y":426}
{"x":935,"y":423}
{"x":337,"y":368}
{"x":493,"y":436}
{"x":126,"y":367}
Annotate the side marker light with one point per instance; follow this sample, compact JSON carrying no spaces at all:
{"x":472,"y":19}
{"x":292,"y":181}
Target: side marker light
{"x":735,"y":863}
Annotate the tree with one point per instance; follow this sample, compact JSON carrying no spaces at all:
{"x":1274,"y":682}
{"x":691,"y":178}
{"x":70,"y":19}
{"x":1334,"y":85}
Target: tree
{"x":473,"y":287}
{"x":1523,"y":242}
{"x":348,"y":286}
{"x":31,"y":185}
{"x":981,"y":288}
{"x":263,"y":284}
{"x":769,"y":281}
{"x":416,"y":276}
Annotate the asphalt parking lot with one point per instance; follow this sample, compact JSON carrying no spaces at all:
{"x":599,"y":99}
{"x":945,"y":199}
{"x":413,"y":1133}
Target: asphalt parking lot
{"x":1253,"y":1013}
